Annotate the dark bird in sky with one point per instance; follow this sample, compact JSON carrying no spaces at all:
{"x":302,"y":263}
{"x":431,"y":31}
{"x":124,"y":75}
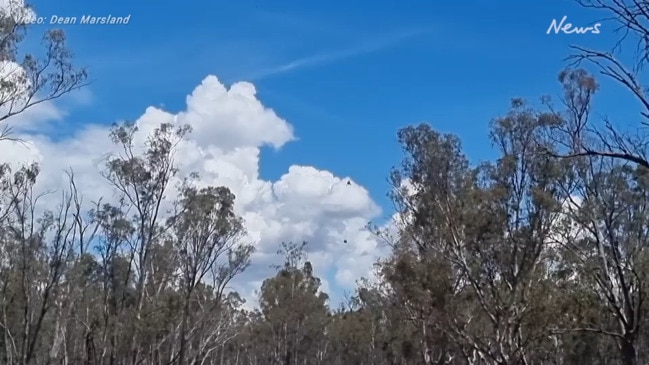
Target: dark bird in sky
{"x":349,"y":182}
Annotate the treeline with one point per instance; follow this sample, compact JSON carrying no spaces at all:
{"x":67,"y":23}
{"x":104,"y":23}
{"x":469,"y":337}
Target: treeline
{"x":531,"y":259}
{"x":537,"y":257}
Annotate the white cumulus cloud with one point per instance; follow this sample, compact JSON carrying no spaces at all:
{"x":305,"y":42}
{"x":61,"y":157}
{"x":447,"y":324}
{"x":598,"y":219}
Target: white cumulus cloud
{"x":230,"y":126}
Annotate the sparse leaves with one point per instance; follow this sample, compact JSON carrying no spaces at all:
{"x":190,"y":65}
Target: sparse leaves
{"x":34,"y":79}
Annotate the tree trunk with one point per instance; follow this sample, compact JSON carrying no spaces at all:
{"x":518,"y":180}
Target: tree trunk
{"x":629,"y":354}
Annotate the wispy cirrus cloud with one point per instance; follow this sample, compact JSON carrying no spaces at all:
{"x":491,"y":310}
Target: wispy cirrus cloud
{"x":371,"y":45}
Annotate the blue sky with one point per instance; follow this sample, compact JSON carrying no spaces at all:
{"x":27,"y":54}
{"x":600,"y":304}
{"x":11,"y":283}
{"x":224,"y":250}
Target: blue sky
{"x":347,"y":75}
{"x":361,"y":70}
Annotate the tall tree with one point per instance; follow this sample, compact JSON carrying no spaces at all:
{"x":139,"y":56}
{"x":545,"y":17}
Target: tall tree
{"x":483,"y":234}
{"x":294,"y":310}
{"x":205,"y":231}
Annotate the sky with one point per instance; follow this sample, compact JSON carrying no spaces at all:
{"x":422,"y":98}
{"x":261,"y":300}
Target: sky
{"x":291,"y":99}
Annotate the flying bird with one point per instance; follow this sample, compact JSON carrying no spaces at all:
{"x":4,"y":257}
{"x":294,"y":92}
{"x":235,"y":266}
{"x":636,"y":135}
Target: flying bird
{"x":349,"y":182}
